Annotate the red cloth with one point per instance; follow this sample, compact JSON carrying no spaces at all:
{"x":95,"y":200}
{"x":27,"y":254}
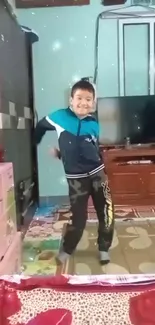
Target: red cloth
{"x":142,"y":309}
{"x":1,"y":301}
{"x":10,"y":303}
{"x":141,"y":306}
{"x":52,"y":317}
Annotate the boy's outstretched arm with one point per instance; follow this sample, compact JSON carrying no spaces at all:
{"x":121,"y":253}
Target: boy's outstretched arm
{"x":42,"y":126}
{"x":55,"y":153}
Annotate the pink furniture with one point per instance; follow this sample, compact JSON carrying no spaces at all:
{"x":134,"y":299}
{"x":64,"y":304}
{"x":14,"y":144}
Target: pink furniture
{"x":8,"y":227}
{"x":11,"y":262}
{"x":6,"y":186}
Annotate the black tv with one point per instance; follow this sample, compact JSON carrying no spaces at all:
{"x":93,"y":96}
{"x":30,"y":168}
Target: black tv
{"x":126,"y":117}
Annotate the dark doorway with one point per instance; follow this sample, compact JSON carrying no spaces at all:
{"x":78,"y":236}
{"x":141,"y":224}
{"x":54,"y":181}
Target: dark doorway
{"x":17,"y":108}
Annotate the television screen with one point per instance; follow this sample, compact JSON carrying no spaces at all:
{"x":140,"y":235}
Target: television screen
{"x":123,"y":117}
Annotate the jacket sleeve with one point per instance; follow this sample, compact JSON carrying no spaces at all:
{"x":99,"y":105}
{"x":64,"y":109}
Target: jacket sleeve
{"x":42,"y":126}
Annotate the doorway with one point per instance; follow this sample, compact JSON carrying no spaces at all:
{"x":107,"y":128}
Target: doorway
{"x":17,"y":111}
{"x":136,"y":56}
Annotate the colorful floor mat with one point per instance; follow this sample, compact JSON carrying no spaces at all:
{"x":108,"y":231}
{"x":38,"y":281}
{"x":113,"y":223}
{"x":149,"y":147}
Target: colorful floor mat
{"x":55,"y":213}
{"x":41,"y":244}
{"x":132,"y":250}
{"x":54,"y":301}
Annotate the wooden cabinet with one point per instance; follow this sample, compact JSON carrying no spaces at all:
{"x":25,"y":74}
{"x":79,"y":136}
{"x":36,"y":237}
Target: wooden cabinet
{"x":150,"y":185}
{"x":131,"y":174}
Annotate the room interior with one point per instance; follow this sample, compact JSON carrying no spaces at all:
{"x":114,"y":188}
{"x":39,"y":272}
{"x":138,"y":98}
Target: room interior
{"x":124,"y":79}
{"x":111,"y":43}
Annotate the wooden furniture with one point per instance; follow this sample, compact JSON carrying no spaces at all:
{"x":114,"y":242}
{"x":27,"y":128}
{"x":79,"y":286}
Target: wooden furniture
{"x":131,"y":174}
{"x":50,"y":3}
{"x":113,"y":2}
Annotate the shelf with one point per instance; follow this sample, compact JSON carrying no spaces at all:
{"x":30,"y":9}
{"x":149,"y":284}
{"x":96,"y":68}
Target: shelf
{"x":131,"y":183}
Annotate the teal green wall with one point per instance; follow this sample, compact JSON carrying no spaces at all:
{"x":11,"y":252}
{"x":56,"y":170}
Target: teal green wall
{"x":64,"y":53}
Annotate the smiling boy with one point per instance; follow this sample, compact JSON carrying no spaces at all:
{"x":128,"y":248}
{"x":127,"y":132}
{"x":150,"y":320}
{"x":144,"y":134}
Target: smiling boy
{"x":78,"y":134}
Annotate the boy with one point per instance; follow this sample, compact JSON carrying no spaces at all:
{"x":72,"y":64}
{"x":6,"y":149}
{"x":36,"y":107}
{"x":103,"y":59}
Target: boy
{"x":78,"y":134}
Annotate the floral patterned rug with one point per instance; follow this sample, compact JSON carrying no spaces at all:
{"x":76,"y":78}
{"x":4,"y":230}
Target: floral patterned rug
{"x":121,"y":212}
{"x":41,"y":243}
{"x":124,"y":213}
{"x":132,"y":249}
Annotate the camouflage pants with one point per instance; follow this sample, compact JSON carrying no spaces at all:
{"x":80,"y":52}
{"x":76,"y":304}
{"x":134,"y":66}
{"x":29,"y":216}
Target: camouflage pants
{"x":97,"y":187}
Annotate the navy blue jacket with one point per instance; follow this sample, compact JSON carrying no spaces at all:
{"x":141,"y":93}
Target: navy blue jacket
{"x":78,"y":141}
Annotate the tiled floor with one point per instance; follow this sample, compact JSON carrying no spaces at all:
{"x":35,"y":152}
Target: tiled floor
{"x":132,"y":250}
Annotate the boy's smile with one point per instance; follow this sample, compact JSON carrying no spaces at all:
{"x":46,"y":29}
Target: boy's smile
{"x":82,"y":102}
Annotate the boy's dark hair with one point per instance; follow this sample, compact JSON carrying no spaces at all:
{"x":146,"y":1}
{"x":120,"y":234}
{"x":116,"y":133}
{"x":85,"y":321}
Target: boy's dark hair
{"x":84,"y":85}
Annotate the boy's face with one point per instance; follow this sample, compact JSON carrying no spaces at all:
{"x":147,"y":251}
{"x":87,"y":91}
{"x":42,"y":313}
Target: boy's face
{"x":82,"y":102}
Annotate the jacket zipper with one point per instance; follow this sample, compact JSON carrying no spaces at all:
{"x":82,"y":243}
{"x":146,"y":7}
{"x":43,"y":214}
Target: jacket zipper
{"x":79,"y":127}
{"x":78,"y":134}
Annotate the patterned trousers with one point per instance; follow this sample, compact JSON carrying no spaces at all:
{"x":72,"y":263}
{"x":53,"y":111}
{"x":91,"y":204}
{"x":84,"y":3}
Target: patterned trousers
{"x":80,"y":190}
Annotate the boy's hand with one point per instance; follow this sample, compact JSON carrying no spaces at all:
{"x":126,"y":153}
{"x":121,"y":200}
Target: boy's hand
{"x":55,"y":153}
